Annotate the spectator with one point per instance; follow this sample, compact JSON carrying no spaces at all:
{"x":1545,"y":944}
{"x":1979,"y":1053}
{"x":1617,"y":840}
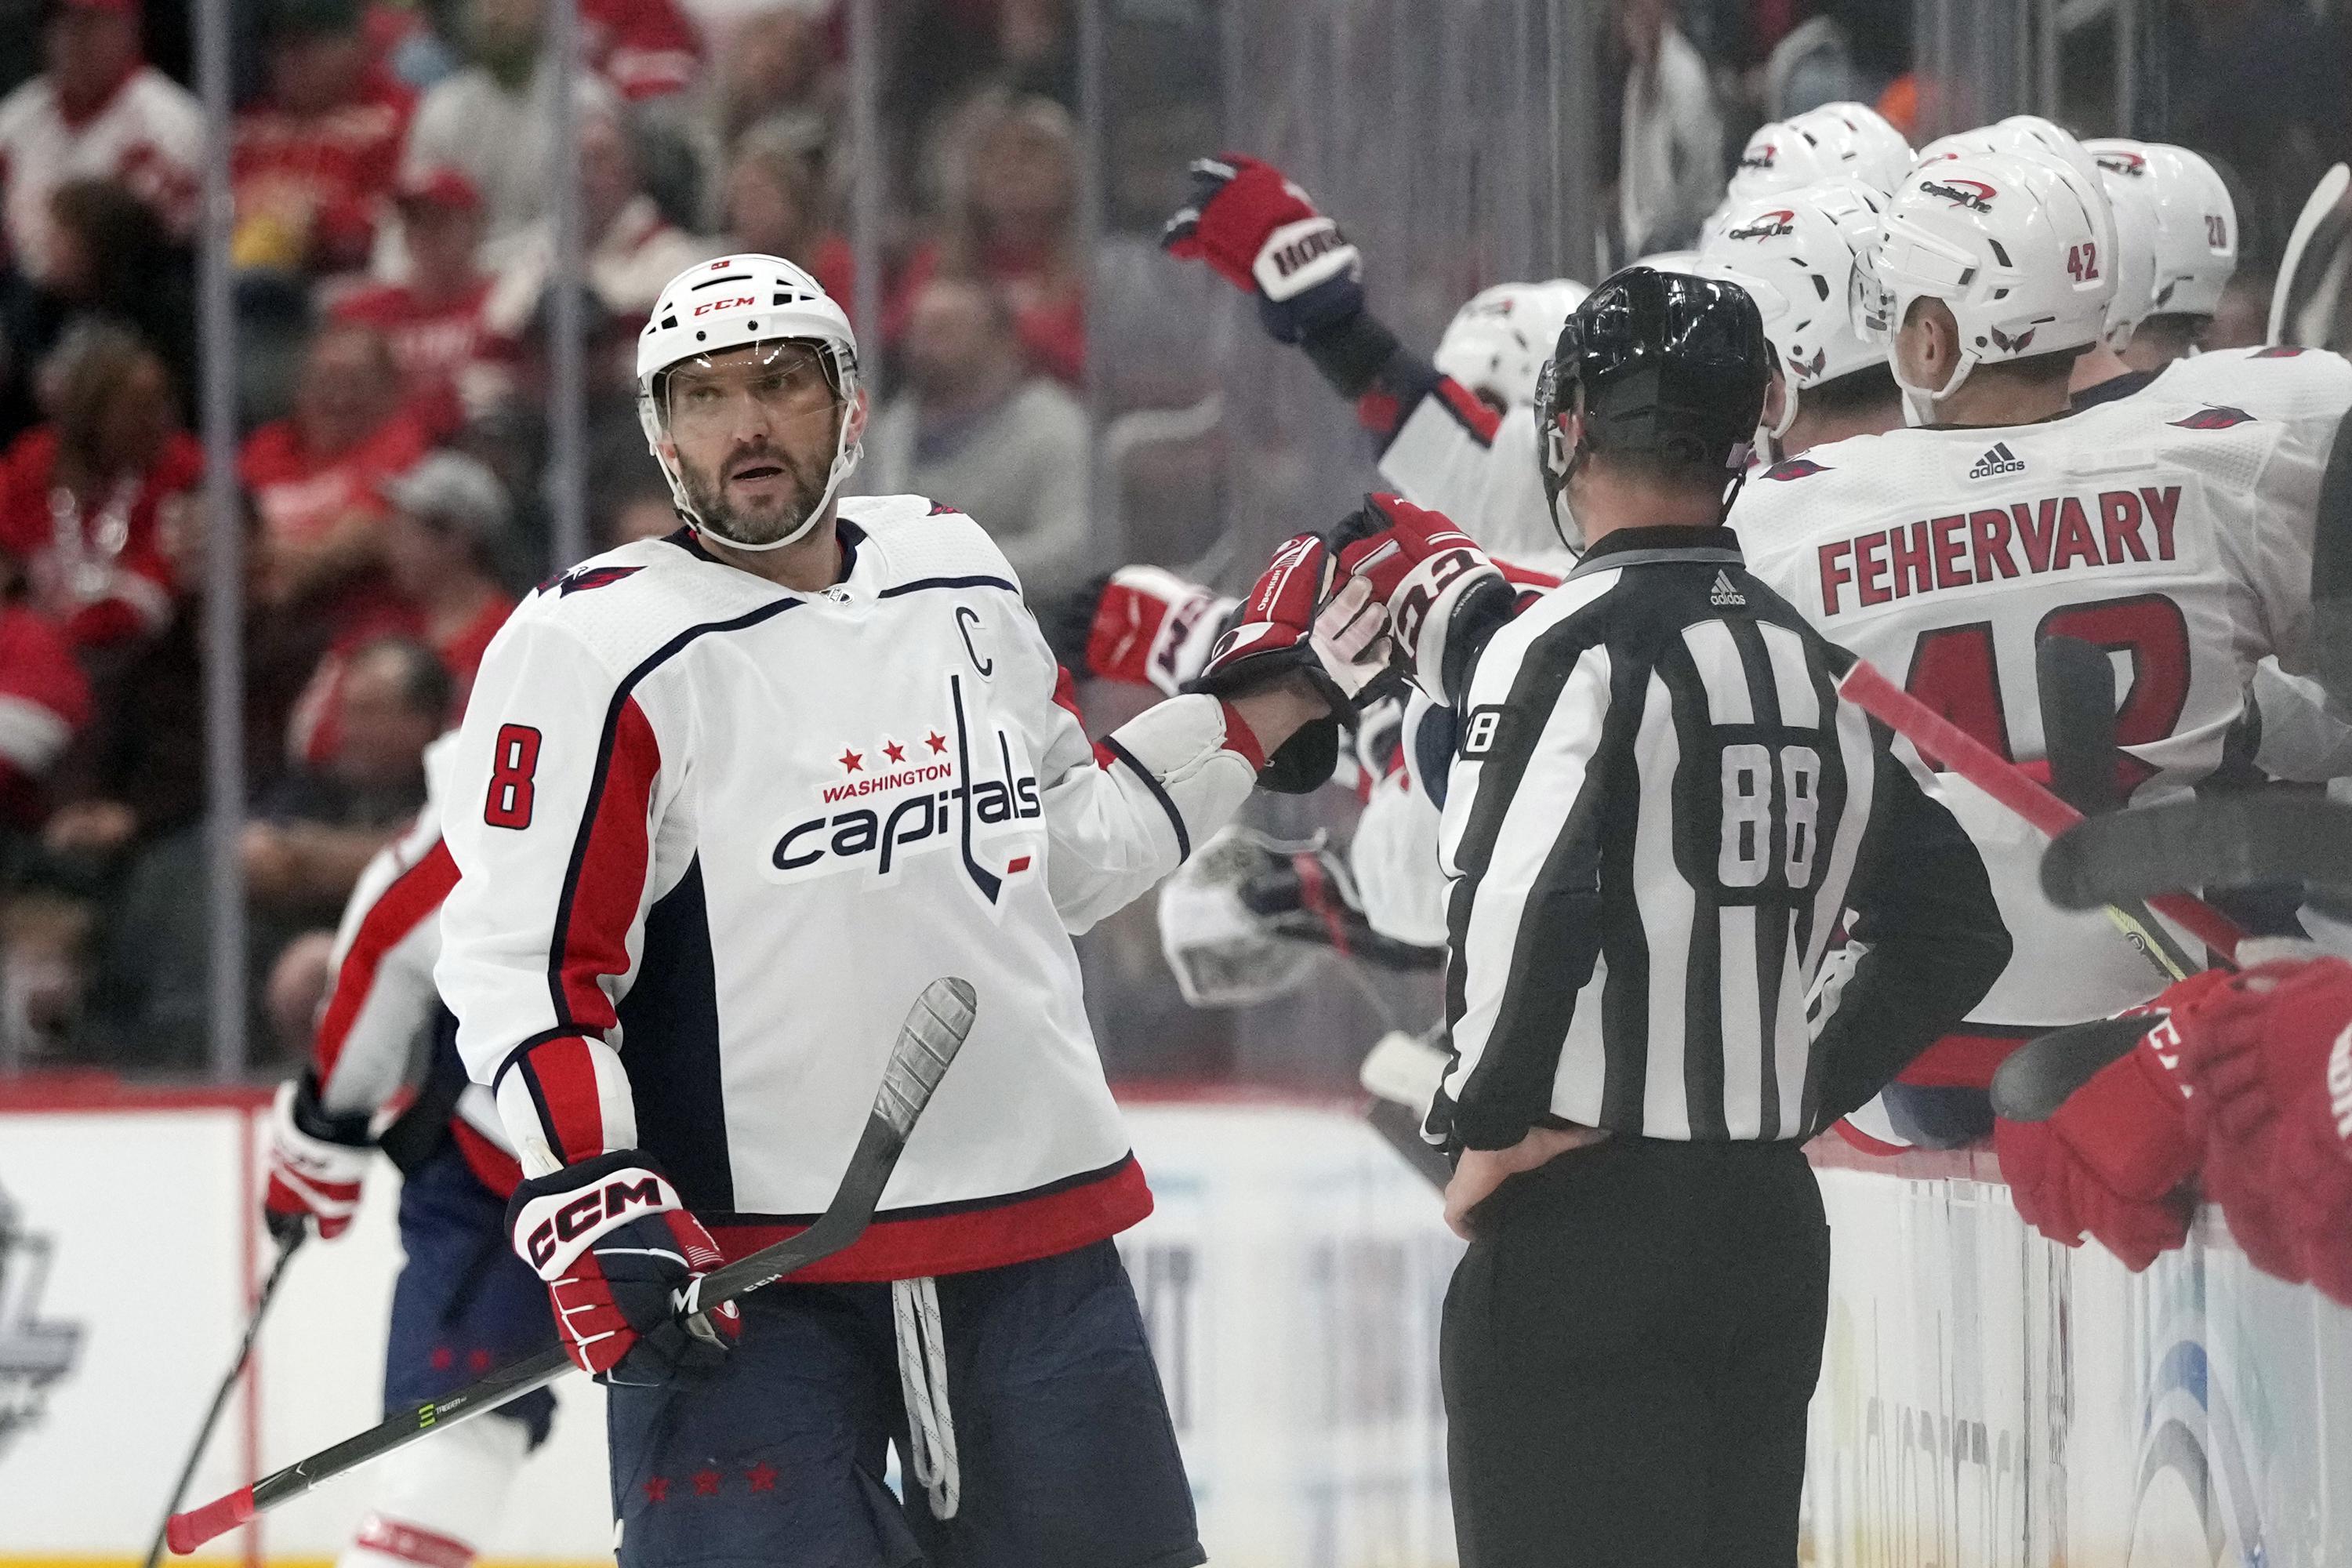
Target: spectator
{"x":449,"y":515}
{"x":1670,"y":169}
{"x":315,"y":475}
{"x":99,"y":111}
{"x":314,"y":158}
{"x":632,"y":250}
{"x":44,"y":704}
{"x":775,"y":206}
{"x":490,"y":120}
{"x":976,"y":429}
{"x":80,"y":496}
{"x":772,"y":77}
{"x":449,"y":368}
{"x":645,"y":49}
{"x":1017,"y":224}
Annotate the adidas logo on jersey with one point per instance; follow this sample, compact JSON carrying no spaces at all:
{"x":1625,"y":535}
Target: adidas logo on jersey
{"x":1999,"y":460}
{"x":1726,"y":595}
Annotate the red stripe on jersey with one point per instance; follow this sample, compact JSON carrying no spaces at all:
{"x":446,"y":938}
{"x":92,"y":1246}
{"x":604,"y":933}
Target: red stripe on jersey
{"x":1962,"y":1061}
{"x":608,"y":874}
{"x":395,"y":1538}
{"x":493,"y":1166}
{"x":563,"y":1078}
{"x":1241,"y":740}
{"x":1016,"y":1230}
{"x":1481,"y":421}
{"x":407,"y":904}
{"x":1066,"y":693}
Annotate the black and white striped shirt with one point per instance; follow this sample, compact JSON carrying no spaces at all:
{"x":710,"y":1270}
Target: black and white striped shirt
{"x":1657,"y":816}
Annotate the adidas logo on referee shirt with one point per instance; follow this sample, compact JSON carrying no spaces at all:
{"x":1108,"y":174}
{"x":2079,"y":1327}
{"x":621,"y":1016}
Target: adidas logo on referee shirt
{"x":1726,"y":593}
{"x":1999,"y":460}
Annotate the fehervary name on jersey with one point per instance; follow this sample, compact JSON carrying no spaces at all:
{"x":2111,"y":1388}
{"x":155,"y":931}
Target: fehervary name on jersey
{"x":2057,"y":533}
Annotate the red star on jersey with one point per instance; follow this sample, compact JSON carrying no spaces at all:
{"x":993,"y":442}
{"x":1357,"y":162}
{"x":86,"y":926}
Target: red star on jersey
{"x":706,"y":1483}
{"x":763,"y":1478}
{"x":936,"y":741}
{"x":657,"y":1490}
{"x":894,"y":751}
{"x":852,"y":761}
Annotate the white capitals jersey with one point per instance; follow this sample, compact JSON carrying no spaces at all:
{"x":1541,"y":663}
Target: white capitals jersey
{"x":714,"y":836}
{"x":1945,"y":556}
{"x":1452,"y":455}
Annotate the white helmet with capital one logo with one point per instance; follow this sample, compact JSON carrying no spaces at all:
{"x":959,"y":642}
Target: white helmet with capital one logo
{"x":743,"y":302}
{"x":1782,"y":155}
{"x":2196,"y":221}
{"x":1498,"y":341}
{"x":2009,"y":243}
{"x":1794,"y":253}
{"x":1866,"y":146}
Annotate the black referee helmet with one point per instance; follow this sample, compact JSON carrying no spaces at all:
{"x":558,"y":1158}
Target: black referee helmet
{"x":1670,"y":364}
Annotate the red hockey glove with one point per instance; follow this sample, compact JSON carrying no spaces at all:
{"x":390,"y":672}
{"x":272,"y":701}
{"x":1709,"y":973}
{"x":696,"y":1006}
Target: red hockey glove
{"x":1265,"y":238}
{"x":1445,"y":596}
{"x":617,"y":1253}
{"x":2314,"y":1156}
{"x":1153,"y":629}
{"x":2058,"y":1194}
{"x":316,"y":1163}
{"x":1293,"y":624}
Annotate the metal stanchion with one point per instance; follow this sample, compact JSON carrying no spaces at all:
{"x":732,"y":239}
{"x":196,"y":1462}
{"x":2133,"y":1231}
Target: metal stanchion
{"x":1103,"y":503}
{"x":567,"y":448}
{"x":866,"y":186}
{"x":224,"y":629}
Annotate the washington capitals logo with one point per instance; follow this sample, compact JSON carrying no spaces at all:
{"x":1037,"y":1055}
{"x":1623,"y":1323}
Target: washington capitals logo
{"x":1768,"y":225}
{"x":2216,"y":418}
{"x":2016,"y":345}
{"x":1794,"y":468}
{"x":2279,"y":351}
{"x":1973,"y":195}
{"x":581,"y":578}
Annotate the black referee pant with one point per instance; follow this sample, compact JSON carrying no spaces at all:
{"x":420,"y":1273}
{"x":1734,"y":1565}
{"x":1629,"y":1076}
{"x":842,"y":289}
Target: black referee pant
{"x":1628,"y":1351}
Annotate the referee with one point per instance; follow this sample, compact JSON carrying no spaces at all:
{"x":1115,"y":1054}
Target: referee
{"x":1657,"y":814}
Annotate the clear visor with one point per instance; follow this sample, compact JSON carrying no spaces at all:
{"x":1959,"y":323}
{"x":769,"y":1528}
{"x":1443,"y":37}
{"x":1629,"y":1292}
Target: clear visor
{"x":771,"y":384}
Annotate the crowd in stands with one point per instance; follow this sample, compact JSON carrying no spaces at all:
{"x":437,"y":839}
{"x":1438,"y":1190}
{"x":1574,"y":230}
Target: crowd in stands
{"x":392,"y":249}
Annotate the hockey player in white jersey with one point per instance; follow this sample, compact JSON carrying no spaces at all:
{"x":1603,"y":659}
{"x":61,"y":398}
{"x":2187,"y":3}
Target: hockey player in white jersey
{"x":726,"y":801}
{"x":1442,"y":445}
{"x":1946,"y":553}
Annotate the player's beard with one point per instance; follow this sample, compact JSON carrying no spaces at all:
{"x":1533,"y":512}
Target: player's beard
{"x":761,"y":521}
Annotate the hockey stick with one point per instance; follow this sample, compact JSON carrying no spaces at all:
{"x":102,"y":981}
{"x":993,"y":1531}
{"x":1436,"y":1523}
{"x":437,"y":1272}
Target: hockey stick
{"x":285,"y":1251}
{"x":2077,"y":687}
{"x":2036,"y":1078}
{"x":1939,"y":737}
{"x":2228,"y":841}
{"x":934,"y":1031}
{"x":2315,"y":208}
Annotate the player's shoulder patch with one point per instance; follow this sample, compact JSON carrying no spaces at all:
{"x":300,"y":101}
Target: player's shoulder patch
{"x":2214,"y":417}
{"x":1795,"y":468}
{"x":2279,"y":351}
{"x":924,"y":540}
{"x":581,"y":579}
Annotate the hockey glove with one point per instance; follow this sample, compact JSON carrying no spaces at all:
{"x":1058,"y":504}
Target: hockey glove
{"x":1445,"y":596}
{"x":317,"y":1162}
{"x":1152,"y":628}
{"x":1293,"y":624}
{"x":1263,"y":237}
{"x":617,"y":1253}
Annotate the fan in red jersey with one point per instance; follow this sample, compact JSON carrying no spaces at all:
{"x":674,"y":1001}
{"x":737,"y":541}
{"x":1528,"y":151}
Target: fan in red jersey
{"x":449,"y":364}
{"x":313,"y":159}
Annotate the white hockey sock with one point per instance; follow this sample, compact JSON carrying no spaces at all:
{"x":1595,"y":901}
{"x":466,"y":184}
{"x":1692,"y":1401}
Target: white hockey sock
{"x":436,"y":1500}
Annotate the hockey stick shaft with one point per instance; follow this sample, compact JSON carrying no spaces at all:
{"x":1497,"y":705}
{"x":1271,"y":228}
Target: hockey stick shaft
{"x":934,"y":1031}
{"x":2315,"y":208}
{"x":285,"y":1251}
{"x":2005,"y":782}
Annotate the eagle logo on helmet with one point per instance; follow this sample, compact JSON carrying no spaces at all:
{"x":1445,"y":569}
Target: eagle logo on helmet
{"x":1974,"y":194}
{"x":1808,"y":369}
{"x":1768,"y":225}
{"x":2016,"y":345}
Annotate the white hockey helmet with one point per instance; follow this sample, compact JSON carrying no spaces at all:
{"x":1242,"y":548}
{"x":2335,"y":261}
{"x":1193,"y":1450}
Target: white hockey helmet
{"x":2133,"y":207}
{"x":1782,"y":155}
{"x":1498,"y":343}
{"x":1867,"y":147}
{"x":1794,"y":252}
{"x":2006,"y":243}
{"x":738,"y":301}
{"x":2195,"y":222}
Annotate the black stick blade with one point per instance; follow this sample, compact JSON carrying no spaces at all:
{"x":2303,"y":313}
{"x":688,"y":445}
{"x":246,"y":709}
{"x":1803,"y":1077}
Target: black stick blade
{"x":2040,"y":1074}
{"x":2225,"y":842}
{"x":2077,"y":686}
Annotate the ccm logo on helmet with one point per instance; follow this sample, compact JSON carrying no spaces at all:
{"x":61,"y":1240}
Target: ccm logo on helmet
{"x":709,"y":305}
{"x":1974,"y":194}
{"x":588,"y":1212}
